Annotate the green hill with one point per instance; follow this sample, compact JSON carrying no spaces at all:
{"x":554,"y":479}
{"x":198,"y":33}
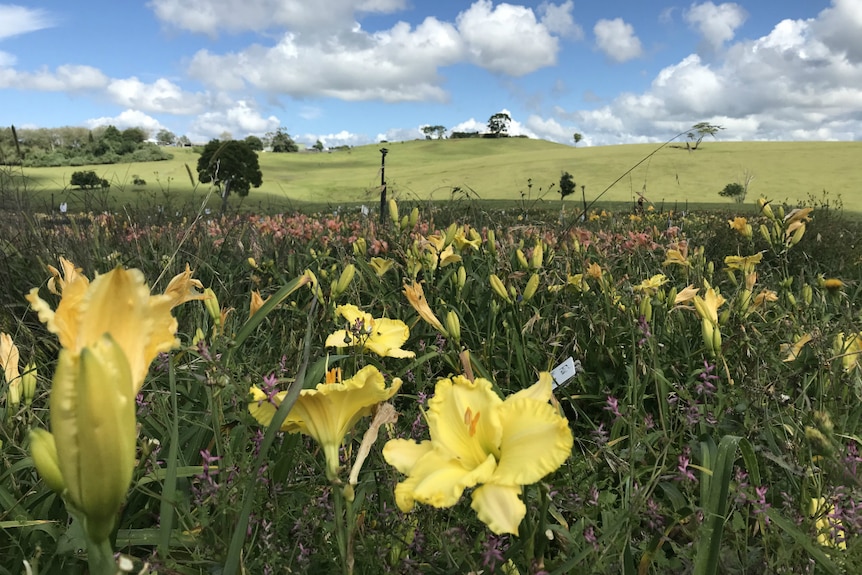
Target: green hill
{"x":500,"y":169}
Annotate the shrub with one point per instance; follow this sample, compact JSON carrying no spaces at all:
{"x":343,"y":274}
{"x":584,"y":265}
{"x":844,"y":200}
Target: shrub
{"x":735,"y":190}
{"x":88,"y":179}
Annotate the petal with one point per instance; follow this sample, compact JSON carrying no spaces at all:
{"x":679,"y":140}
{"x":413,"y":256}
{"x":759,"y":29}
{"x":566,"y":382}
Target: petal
{"x":341,"y":338}
{"x":535,"y":441}
{"x":261,"y":408}
{"x":463,"y":421}
{"x":439,"y":480}
{"x":402,"y":454}
{"x":387,"y":336}
{"x":9,"y":357}
{"x":539,"y":391}
{"x":499,"y":507}
{"x":183,"y":287}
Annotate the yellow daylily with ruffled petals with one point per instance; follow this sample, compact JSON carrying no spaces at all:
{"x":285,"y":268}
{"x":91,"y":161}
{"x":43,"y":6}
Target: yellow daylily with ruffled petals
{"x":67,"y":273}
{"x":116,"y":303}
{"x":650,"y":286}
{"x":183,"y":287}
{"x":328,"y":412}
{"x":382,"y":336}
{"x":478,"y":439}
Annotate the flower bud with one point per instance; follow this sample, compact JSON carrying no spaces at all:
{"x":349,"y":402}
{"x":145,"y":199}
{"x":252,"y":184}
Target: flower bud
{"x":707,"y":330}
{"x":492,"y":243}
{"x":764,"y":231}
{"x":499,"y":288}
{"x":414,"y":217}
{"x":462,"y":277}
{"x":360,"y":248}
{"x":537,"y":255}
{"x":522,"y":259}
{"x":93,"y":420}
{"x":28,"y":383}
{"x":807,"y":294}
{"x":43,"y":450}
{"x":212,"y":306}
{"x":765,"y":208}
{"x":393,"y":212}
{"x":645,"y":308}
{"x":532,"y":286}
{"x":453,"y":326}
{"x":344,"y":280}
{"x":451,"y":232}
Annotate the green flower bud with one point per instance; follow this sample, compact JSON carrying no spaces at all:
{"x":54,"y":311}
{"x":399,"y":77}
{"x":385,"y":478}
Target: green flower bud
{"x":645,"y":308}
{"x":462,"y":277}
{"x":492,"y":243}
{"x":393,"y":212}
{"x":499,"y":288}
{"x":28,"y":383}
{"x":414,"y":218}
{"x":212,"y":306}
{"x":537,"y":256}
{"x":344,"y":280}
{"x":522,"y":259}
{"x":43,"y":450}
{"x":807,"y":294}
{"x":453,"y":326}
{"x":360,"y":248}
{"x":532,"y":286}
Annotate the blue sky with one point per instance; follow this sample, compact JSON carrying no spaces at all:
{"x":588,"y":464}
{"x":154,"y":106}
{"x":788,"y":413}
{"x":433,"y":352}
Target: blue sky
{"x":358,"y":71}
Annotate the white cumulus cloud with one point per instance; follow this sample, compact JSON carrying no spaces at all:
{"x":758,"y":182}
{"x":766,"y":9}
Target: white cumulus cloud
{"x":617,"y":39}
{"x":160,"y":96}
{"x":240,"y":120}
{"x":128,"y":119}
{"x":716,"y":23}
{"x":15,"y":20}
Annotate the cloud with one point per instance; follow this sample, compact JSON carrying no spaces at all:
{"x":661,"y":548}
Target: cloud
{"x":717,"y":24}
{"x":840,"y":27}
{"x":65,"y":78}
{"x":507,"y":39}
{"x":401,"y":135}
{"x":549,"y":129}
{"x":160,"y":96}
{"x":240,"y":120}
{"x":617,"y":40}
{"x":213,"y":16}
{"x":128,"y":119}
{"x":15,"y":20}
{"x":799,"y":81}
{"x":399,"y":64}
{"x":558,"y":20}
{"x":7,"y":60}
{"x":516,"y":128}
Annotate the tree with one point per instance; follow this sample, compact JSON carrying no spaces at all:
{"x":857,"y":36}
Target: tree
{"x":88,"y":180}
{"x":281,"y":142}
{"x":438,"y":131}
{"x":498,"y":124}
{"x":232,"y":165}
{"x":735,"y":191}
{"x":165,"y":137}
{"x":184,"y":141}
{"x":699,"y":131}
{"x":578,"y":137}
{"x":254,"y":143}
{"x":318,"y":145}
{"x":225,"y":136}
{"x":567,"y":185}
{"x":134,"y":135}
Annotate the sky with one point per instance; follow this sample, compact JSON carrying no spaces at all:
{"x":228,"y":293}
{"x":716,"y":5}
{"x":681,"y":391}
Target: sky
{"x":353,"y":72}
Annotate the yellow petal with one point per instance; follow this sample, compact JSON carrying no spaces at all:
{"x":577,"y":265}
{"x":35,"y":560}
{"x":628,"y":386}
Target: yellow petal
{"x":463,"y":420}
{"x":499,"y":507}
{"x":256,"y":303}
{"x":402,"y":454}
{"x":535,"y":441}
{"x":43,"y":449}
{"x":183,"y":287}
{"x":439,"y":480}
{"x":9,"y":357}
{"x":539,"y":391}
{"x":416,"y":296}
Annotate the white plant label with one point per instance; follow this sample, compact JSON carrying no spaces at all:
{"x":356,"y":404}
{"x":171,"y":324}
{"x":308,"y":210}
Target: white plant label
{"x":565,"y":371}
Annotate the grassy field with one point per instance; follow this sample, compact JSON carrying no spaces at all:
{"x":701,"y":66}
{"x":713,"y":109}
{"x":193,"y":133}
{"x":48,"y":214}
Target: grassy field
{"x":496,"y":170}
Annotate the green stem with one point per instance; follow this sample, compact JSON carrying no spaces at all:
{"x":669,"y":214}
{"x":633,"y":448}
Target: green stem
{"x":100,"y":557}
{"x":343,"y":528}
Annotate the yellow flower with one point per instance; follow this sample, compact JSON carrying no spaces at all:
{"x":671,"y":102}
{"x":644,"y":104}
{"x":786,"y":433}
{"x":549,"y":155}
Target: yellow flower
{"x":742,"y":226}
{"x":766,"y":208}
{"x":183,"y":287}
{"x":707,"y":306}
{"x":94,"y":429}
{"x":794,"y":349}
{"x":59,"y":278}
{"x":416,"y":296}
{"x":9,"y":357}
{"x":798,"y":215}
{"x":382,"y":336}
{"x":686,"y":295}
{"x":381,"y":266}
{"x":594,"y":271}
{"x":478,"y":439}
{"x":462,"y":243}
{"x":764,"y":297}
{"x":827,"y":529}
{"x":650,"y":286}
{"x":832,"y":284}
{"x":328,"y":412}
{"x":116,"y":303}
{"x":677,"y":256}
{"x":43,"y":450}
{"x":256,"y":302}
{"x":743,"y":263}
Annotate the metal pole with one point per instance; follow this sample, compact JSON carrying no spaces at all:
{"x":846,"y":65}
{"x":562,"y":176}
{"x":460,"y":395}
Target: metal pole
{"x":384,"y":206}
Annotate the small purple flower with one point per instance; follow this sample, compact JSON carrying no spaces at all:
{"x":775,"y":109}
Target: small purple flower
{"x":685,"y":473}
{"x":590,"y":537}
{"x":612,"y":405}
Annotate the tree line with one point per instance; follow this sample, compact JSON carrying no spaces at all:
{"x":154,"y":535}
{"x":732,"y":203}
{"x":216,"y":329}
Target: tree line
{"x":76,"y":146}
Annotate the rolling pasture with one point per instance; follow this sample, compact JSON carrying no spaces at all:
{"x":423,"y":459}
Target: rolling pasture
{"x":493,"y":170}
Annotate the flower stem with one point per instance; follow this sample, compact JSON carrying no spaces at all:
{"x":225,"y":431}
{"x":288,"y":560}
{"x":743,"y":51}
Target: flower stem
{"x":100,"y":558}
{"x":344,"y":522}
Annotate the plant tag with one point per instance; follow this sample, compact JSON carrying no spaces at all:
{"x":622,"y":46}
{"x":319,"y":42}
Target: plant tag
{"x":565,"y":371}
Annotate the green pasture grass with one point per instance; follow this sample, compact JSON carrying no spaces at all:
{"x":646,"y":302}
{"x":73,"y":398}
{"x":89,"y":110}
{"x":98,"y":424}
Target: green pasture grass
{"x":496,"y":170}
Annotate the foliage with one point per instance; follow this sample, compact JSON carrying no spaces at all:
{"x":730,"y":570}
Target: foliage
{"x":578,"y":137}
{"x":254,"y":143}
{"x":88,"y":179}
{"x":699,"y":131}
{"x":498,"y":124}
{"x":567,"y":185}
{"x":688,"y":458}
{"x":281,"y":142}
{"x":318,"y":145}
{"x":166,"y":138}
{"x":734,"y":190}
{"x":232,"y":165}
{"x":437,"y":131}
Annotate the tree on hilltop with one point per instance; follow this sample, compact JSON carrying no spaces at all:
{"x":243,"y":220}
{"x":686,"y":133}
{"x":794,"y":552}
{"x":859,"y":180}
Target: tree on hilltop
{"x":498,"y":124}
{"x":231,"y":165}
{"x":281,"y":142}
{"x":699,"y":131}
{"x":165,"y":137}
{"x":438,"y":131}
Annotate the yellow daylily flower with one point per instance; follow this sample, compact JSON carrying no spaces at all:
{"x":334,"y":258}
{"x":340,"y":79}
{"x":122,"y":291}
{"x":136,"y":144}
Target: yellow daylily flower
{"x":256,"y":302}
{"x":798,"y":215}
{"x":381,"y":266}
{"x":743,"y":263}
{"x":478,"y":439}
{"x":650,"y":286}
{"x":328,"y":412}
{"x":594,"y":271}
{"x":462,"y":243}
{"x":764,"y":297}
{"x":382,"y":336}
{"x":741,"y":226}
{"x":416,"y":296}
{"x":43,"y":450}
{"x":116,"y":303}
{"x":183,"y":287}
{"x":67,"y":273}
{"x":686,"y":295}
{"x":94,"y":430}
{"x":792,"y":350}
{"x":677,"y":256}
{"x":707,"y":306}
